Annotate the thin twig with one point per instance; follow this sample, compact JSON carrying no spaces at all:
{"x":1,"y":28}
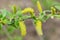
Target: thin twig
{"x":41,"y":37}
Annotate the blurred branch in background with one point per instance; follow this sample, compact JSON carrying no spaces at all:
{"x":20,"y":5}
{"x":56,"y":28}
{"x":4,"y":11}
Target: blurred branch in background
{"x":7,"y":33}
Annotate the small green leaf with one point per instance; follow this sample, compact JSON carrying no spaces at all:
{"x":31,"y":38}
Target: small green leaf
{"x":16,"y":23}
{"x":6,"y":21}
{"x":11,"y":29}
{"x":19,"y":12}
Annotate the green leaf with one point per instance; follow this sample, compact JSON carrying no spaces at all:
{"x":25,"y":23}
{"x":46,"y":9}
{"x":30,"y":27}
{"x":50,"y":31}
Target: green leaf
{"x":6,"y":21}
{"x":41,"y":16}
{"x":57,"y":16}
{"x":16,"y":23}
{"x":11,"y":29}
{"x":0,"y":15}
{"x":19,"y":12}
{"x":26,"y":17}
{"x":11,"y":16}
{"x":56,"y":3}
{"x":57,"y":7}
{"x":1,"y":26}
{"x":47,"y":3}
{"x":4,"y":12}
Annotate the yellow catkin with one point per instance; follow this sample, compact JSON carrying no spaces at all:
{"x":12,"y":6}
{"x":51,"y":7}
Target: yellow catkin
{"x":39,"y":6}
{"x":39,"y":27}
{"x":27,"y":10}
{"x":53,"y":10}
{"x":14,"y":8}
{"x":22,"y":28}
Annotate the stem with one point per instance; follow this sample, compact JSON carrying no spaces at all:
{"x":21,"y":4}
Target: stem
{"x":41,"y":37}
